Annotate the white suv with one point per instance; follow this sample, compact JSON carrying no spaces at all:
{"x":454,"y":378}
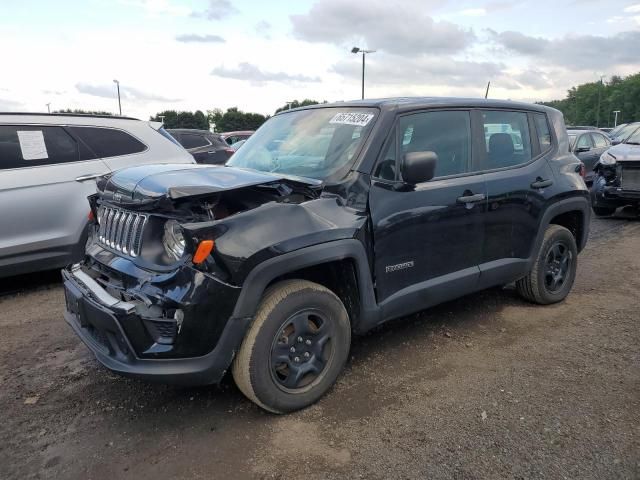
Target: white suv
{"x":48,"y":166}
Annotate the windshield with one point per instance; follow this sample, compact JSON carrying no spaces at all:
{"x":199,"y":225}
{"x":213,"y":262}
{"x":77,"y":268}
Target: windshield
{"x":635,"y":138}
{"x":318,"y":143}
{"x":625,"y":132}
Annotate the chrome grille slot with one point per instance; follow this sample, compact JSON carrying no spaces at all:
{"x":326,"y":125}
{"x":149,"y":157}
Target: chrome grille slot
{"x":630,"y":178}
{"x":121,"y":229}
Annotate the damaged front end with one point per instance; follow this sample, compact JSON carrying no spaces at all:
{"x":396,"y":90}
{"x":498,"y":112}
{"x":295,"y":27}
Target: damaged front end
{"x":148,"y":299}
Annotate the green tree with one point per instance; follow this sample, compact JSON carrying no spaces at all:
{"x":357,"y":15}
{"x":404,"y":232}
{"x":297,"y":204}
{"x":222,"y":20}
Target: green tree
{"x":296,"y":104}
{"x":174,"y":119}
{"x":580,"y":107}
{"x":82,"y":112}
{"x":235,"y":119}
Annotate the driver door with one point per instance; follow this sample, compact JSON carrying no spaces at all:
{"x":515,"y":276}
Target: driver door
{"x":428,"y":238}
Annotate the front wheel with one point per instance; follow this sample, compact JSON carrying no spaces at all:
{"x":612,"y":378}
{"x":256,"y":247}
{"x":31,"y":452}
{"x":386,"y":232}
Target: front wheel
{"x":296,"y":347}
{"x":554,"y":269}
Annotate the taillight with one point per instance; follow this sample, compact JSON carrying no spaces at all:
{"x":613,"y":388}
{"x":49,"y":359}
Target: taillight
{"x":583,"y":171}
{"x":230,"y":150}
{"x":91,"y":216}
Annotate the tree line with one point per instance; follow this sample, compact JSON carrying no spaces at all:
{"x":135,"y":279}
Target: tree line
{"x":594,"y":103}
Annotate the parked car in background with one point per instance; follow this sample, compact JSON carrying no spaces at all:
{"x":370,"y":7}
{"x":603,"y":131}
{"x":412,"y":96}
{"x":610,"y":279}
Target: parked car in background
{"x":48,"y":166}
{"x":238,"y":144}
{"x":588,"y":145}
{"x":616,"y":129}
{"x":205,"y":146}
{"x":607,"y":130}
{"x":331,"y":220}
{"x":233,"y":137}
{"x":581,"y":127}
{"x":617,"y":180}
{"x":624,"y":133}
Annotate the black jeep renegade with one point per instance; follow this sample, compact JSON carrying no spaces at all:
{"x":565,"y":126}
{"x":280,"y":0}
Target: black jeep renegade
{"x":330,"y":221}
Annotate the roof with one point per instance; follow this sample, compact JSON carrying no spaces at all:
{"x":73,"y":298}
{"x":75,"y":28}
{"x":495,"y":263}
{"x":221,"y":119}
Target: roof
{"x":187,"y":130}
{"x":411,"y":103}
{"x":85,"y":115}
{"x":578,"y":131}
{"x":237,"y":132}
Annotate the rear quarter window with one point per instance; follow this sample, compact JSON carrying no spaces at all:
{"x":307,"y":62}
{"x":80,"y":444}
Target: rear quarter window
{"x":108,"y":142}
{"x":23,"y":146}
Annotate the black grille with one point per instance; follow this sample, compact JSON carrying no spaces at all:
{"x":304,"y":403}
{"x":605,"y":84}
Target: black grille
{"x":162,"y":331}
{"x":121,"y":229}
{"x":631,"y":178}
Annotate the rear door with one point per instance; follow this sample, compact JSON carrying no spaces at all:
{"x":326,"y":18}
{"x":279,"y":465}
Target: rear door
{"x":513,"y":160}
{"x":43,"y":197}
{"x":428,"y":237}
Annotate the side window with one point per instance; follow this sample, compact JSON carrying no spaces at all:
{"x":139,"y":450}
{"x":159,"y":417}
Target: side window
{"x":23,"y":146}
{"x":599,"y":140}
{"x":584,"y":141}
{"x":506,"y":136}
{"x":542,"y":128}
{"x":386,"y":167}
{"x":108,"y":142}
{"x":447,"y":133}
{"x":191,"y":140}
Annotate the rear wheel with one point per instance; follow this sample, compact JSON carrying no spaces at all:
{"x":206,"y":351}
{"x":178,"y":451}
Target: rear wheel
{"x":603,"y":211}
{"x":296,"y":347}
{"x":554,"y":269}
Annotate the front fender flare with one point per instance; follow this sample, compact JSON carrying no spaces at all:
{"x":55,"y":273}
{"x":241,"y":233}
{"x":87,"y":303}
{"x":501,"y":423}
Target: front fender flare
{"x":264,"y":273}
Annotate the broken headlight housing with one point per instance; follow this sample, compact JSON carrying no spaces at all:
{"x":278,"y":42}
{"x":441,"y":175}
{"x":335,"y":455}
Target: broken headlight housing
{"x":173,"y":240}
{"x":607,"y":159}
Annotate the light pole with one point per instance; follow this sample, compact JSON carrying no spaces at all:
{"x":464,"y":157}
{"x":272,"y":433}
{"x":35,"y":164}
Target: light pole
{"x":364,"y":53}
{"x":289,"y":104}
{"x":48,"y":107}
{"x":119,"y":104}
{"x":615,"y":120}
{"x":599,"y":94}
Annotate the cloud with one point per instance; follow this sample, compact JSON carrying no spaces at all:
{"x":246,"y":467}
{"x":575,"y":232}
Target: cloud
{"x":633,"y":8}
{"x":520,"y":43}
{"x":499,"y":5}
{"x":474,"y":12}
{"x":217,"y":10}
{"x":569,"y":51}
{"x":158,"y":7}
{"x":195,"y":38}
{"x":425,"y":70}
{"x":130,"y":93}
{"x":263,"y":28}
{"x":381,"y":25}
{"x":249,"y":72}
{"x":7,"y":105}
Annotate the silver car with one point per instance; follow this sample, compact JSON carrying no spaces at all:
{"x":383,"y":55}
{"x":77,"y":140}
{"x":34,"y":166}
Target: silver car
{"x":48,"y":167}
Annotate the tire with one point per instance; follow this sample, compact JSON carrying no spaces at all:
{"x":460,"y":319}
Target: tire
{"x":299,"y":327}
{"x":603,"y":211}
{"x":542,"y":284}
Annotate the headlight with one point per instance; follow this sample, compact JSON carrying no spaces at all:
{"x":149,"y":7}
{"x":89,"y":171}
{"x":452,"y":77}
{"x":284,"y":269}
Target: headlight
{"x":607,"y":159}
{"x":173,"y":240}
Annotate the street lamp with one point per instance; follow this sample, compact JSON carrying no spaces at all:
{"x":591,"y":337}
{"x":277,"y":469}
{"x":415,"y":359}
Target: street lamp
{"x":289,"y":104}
{"x":599,"y":92}
{"x":48,"y":107}
{"x":615,"y":120}
{"x":364,"y":53}
{"x":119,"y":104}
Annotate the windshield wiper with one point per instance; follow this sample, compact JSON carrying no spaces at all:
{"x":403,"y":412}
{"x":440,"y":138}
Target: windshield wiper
{"x":632,"y":143}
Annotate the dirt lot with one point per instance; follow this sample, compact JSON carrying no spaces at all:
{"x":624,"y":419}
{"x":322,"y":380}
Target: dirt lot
{"x":484,"y":387}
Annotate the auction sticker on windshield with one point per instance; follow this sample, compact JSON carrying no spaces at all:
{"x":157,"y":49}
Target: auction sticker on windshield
{"x":352,"y":118}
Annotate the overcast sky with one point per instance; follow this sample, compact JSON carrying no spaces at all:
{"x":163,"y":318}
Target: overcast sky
{"x":202,"y":54}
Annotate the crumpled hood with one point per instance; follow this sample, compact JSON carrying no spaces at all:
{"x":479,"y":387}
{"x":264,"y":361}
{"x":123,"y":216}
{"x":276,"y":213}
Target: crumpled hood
{"x":150,"y":182}
{"x":625,"y":152}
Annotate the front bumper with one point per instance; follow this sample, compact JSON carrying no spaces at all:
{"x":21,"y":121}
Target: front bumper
{"x":103,"y":322}
{"x":603,"y":195}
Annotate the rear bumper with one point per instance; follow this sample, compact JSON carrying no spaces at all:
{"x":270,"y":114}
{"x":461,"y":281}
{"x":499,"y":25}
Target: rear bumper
{"x":100,"y":320}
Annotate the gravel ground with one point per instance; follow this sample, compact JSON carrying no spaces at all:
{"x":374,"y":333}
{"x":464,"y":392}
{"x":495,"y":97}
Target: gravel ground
{"x":487,"y":386}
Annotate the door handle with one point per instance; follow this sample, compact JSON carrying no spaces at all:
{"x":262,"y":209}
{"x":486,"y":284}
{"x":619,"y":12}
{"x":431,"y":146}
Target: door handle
{"x":90,"y":176}
{"x":540,"y":183}
{"x":478,"y":197}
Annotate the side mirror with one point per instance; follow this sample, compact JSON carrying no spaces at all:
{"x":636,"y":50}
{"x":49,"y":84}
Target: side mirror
{"x":418,"y":167}
{"x":616,"y":142}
